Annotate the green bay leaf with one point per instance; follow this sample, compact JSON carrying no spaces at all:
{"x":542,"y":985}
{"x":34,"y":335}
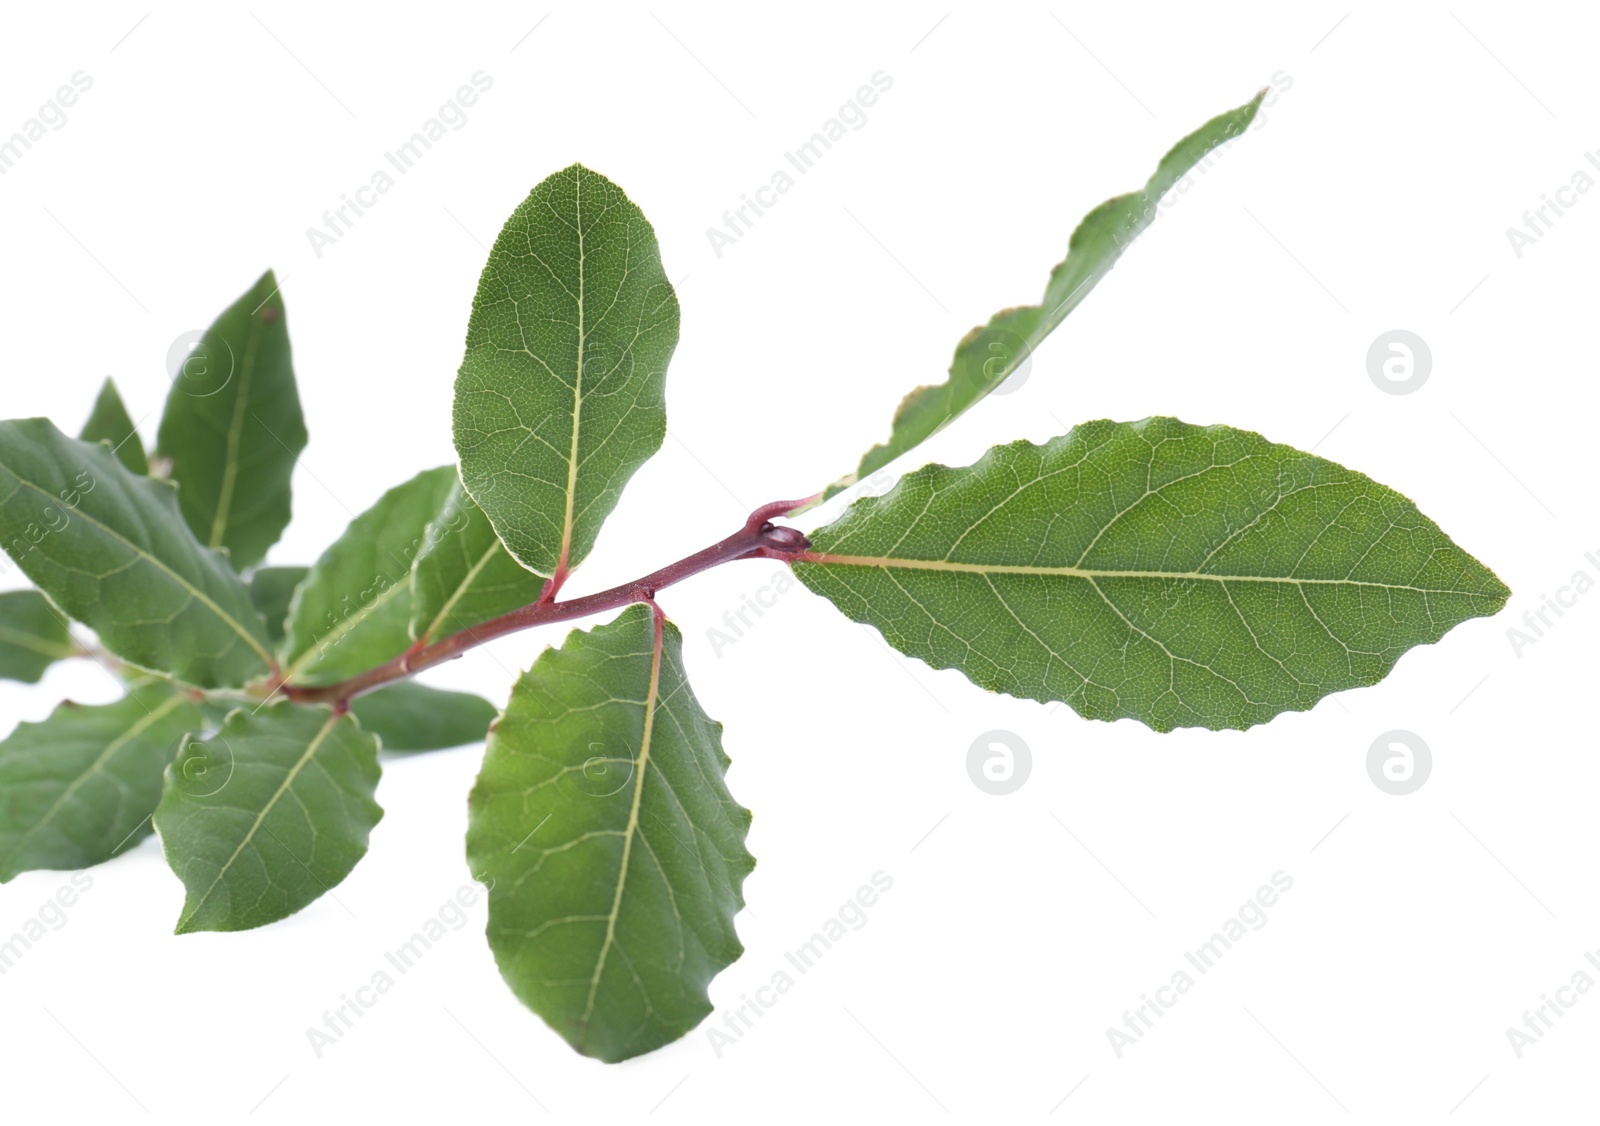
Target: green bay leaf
{"x":464,"y":575}
{"x":263,"y":817}
{"x":353,"y":610}
{"x":613,"y":852}
{"x":33,"y":636}
{"x":232,"y":428}
{"x":111,"y":550}
{"x":109,"y":422}
{"x":1183,"y":576}
{"x":80,"y":786}
{"x":560,"y":395}
{"x":414,"y":717}
{"x":990,"y":353}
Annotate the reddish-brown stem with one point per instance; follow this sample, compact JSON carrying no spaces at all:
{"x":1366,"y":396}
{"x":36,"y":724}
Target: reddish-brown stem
{"x":758,"y":539}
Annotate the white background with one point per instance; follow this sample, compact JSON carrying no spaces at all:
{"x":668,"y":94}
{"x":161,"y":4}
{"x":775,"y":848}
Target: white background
{"x":1374,"y":194}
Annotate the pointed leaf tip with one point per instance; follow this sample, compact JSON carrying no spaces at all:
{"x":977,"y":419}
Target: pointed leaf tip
{"x":990,"y":354}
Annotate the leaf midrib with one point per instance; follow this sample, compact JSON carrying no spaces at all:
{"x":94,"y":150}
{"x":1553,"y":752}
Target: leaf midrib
{"x":320,"y":645}
{"x":577,"y":390}
{"x":632,"y":829}
{"x":192,"y":590}
{"x":261,"y":817}
{"x":230,"y":456}
{"x":138,"y":728}
{"x":461,"y":589}
{"x":826,"y":558}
